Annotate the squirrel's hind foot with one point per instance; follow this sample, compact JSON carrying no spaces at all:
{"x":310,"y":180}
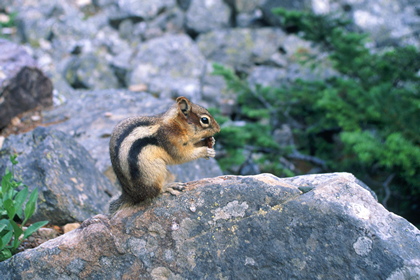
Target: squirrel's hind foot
{"x":174,"y":188}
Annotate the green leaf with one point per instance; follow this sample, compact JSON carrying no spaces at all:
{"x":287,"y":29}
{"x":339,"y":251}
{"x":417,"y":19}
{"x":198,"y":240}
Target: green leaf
{"x":5,"y":254}
{"x":4,"y":224}
{"x":6,"y":233}
{"x":34,"y":227}
{"x":13,"y":159}
{"x":29,"y":210}
{"x":17,"y":232}
{"x":19,"y":200}
{"x":31,"y":205}
{"x":6,"y":239}
{"x":9,"y":205}
{"x":6,"y":183}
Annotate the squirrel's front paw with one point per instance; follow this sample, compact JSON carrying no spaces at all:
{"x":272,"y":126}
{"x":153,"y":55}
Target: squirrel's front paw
{"x":213,"y":141}
{"x":210,"y":153}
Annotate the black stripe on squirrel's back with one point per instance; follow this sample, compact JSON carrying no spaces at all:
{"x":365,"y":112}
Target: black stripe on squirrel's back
{"x":123,"y":130}
{"x":127,"y":131}
{"x":134,"y":152}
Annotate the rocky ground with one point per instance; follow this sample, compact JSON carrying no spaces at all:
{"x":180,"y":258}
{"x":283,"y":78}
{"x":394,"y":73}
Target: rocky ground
{"x":167,"y":46}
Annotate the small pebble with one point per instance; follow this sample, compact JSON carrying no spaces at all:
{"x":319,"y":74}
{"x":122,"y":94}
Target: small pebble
{"x":138,"y":87}
{"x":175,"y":226}
{"x":35,"y":118}
{"x":70,"y":227}
{"x":15,"y":121}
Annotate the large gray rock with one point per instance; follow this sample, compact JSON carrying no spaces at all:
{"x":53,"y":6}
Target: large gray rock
{"x":387,"y":22}
{"x":253,"y":227}
{"x":169,"y":22}
{"x":203,"y":16}
{"x":145,"y":9}
{"x":23,"y":86}
{"x":70,"y":187}
{"x":291,"y":64}
{"x":90,"y":117}
{"x":184,"y":4}
{"x":241,"y":47}
{"x":248,"y":13}
{"x":246,"y":6}
{"x":171,"y":63}
{"x":90,"y":72}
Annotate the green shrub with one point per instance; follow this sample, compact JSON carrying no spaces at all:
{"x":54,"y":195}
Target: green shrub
{"x":11,"y":23}
{"x":14,"y":205}
{"x":364,"y":120}
{"x":241,"y":140}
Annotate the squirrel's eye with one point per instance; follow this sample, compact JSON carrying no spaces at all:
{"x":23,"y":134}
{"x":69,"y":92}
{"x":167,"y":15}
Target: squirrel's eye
{"x":205,"y":120}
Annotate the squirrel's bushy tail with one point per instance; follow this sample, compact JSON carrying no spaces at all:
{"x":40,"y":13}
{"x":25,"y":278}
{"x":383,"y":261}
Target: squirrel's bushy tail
{"x":117,"y":204}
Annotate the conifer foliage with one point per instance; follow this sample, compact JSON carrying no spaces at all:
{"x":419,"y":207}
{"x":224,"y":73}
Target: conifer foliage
{"x":363,"y":120}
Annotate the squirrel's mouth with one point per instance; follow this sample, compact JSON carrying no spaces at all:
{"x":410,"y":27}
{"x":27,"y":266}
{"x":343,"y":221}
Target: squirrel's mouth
{"x":205,"y":142}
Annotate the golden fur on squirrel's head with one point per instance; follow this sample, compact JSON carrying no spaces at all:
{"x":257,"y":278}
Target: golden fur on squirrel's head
{"x":200,"y":122}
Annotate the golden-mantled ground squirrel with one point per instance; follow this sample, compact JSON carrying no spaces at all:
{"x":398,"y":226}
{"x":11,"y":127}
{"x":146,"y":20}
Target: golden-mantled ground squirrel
{"x":142,"y":147}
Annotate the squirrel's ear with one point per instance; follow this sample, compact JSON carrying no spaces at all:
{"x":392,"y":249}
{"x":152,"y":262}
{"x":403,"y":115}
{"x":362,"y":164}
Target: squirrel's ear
{"x":184,"y":104}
